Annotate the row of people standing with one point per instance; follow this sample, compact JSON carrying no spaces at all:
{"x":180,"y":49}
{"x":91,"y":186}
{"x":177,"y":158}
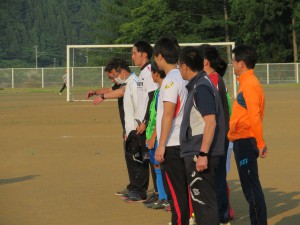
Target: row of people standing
{"x":191,"y":130}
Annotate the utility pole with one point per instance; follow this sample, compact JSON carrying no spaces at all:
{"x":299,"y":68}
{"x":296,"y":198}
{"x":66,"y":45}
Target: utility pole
{"x":36,"y":55}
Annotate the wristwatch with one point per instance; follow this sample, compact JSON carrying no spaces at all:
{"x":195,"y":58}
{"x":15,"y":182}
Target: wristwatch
{"x":102,"y":96}
{"x":203,"y":154}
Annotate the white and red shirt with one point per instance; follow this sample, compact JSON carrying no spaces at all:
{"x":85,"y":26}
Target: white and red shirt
{"x":145,"y":85}
{"x":172,"y":90}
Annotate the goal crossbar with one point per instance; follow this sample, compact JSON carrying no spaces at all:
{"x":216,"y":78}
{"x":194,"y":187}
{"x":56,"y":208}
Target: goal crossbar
{"x":231,"y":44}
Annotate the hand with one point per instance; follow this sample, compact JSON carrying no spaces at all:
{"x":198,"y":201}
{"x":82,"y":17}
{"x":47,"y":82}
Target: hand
{"x":263,"y":152}
{"x":159,"y":154}
{"x":201,"y":163}
{"x":90,"y":94}
{"x":97,"y":100}
{"x":141,"y":128}
{"x":151,"y":143}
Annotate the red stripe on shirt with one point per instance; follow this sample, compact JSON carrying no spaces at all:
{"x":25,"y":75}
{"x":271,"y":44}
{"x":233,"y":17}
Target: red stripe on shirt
{"x":178,"y":105}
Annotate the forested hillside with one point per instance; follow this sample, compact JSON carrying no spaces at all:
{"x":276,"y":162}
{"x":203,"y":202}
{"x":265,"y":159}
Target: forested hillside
{"x":30,"y":27}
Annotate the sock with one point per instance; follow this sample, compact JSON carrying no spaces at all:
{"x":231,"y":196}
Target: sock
{"x":160,"y":186}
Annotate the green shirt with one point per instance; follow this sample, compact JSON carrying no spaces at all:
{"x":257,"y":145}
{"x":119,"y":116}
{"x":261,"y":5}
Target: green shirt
{"x":152,"y":117}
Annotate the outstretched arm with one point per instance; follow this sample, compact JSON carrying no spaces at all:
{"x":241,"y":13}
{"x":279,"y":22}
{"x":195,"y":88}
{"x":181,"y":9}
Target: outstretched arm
{"x":110,"y":95}
{"x":98,"y":92}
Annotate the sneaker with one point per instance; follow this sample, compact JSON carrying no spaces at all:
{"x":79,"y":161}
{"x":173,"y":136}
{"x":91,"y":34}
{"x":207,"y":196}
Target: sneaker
{"x":192,"y":221}
{"x":149,"y":206}
{"x":134,"y":197}
{"x":160,"y":204}
{"x":151,"y":199}
{"x":126,"y":195}
{"x":123,"y":192}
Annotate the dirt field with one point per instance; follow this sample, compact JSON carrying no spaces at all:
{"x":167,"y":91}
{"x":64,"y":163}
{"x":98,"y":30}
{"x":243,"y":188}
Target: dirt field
{"x":62,"y":162}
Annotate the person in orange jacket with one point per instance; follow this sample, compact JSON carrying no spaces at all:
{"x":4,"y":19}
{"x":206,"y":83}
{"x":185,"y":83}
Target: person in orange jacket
{"x":246,"y":131}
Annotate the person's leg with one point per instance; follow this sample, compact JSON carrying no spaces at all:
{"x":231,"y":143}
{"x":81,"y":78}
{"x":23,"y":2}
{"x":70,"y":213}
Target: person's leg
{"x":142,"y":174}
{"x":153,"y":175}
{"x":246,"y":154}
{"x":152,"y":198}
{"x":177,"y":188}
{"x":63,"y":88}
{"x":202,"y":189}
{"x":159,"y":182}
{"x":130,"y":169}
{"x":221,"y":188}
{"x":130,"y":164}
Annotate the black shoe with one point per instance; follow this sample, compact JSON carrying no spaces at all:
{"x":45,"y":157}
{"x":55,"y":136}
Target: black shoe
{"x":151,"y":199}
{"x":161,"y":204}
{"x":134,"y":197}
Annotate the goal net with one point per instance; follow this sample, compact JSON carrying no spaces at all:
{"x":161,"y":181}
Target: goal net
{"x":86,"y":63}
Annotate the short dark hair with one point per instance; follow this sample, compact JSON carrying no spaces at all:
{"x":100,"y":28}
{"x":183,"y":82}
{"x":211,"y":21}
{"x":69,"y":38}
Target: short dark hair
{"x":247,"y":54}
{"x":108,"y":67}
{"x":155,"y":69}
{"x":192,"y":58}
{"x":143,"y":46}
{"x":211,"y":53}
{"x":118,"y":64}
{"x":169,"y":49}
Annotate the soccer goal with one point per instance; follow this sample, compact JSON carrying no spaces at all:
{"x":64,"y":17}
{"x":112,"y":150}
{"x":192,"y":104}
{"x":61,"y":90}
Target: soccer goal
{"x":83,"y":75}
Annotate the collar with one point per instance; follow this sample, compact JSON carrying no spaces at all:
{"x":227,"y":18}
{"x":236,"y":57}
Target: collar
{"x":146,"y":64}
{"x":129,"y":78}
{"x":245,"y":75}
{"x":194,"y":80}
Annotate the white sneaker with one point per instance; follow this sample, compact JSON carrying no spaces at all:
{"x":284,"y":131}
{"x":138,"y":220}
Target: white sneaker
{"x":192,"y":221}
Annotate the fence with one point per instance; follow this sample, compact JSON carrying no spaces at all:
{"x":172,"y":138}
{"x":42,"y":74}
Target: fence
{"x":94,"y":77}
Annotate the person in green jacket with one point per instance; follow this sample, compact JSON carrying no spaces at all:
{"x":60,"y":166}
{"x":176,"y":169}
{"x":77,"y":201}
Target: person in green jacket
{"x":157,"y":76}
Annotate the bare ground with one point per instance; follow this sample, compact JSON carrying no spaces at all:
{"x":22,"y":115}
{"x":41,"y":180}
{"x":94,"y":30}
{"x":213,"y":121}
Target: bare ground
{"x":62,"y":162}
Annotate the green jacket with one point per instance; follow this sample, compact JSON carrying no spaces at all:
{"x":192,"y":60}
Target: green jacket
{"x":152,"y":117}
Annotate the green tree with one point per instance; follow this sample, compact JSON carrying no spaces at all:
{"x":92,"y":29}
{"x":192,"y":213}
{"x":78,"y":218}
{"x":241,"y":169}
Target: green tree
{"x":258,"y":22}
{"x":189,"y":21}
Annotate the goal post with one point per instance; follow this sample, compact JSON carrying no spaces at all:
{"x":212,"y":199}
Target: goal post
{"x":81,"y":77}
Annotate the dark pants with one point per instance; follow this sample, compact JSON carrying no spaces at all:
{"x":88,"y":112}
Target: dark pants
{"x":63,"y":88}
{"x":203,"y":192}
{"x":129,"y":165}
{"x":246,"y":154}
{"x":138,"y":174}
{"x":145,"y":151}
{"x":221,"y":187}
{"x":153,"y":175}
{"x":175,"y":184}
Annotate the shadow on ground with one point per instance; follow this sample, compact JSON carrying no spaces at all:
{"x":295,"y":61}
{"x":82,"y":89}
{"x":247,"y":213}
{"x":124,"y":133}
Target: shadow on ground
{"x":17,"y":179}
{"x":278,"y":203}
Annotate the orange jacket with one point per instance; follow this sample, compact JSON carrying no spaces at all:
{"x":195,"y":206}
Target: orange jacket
{"x":248,"y":110}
